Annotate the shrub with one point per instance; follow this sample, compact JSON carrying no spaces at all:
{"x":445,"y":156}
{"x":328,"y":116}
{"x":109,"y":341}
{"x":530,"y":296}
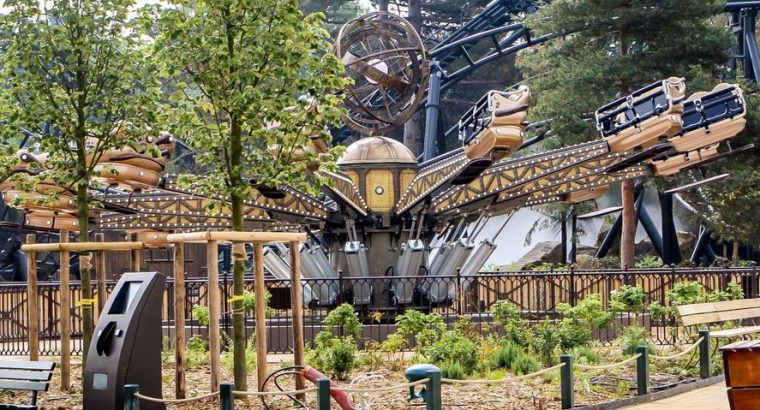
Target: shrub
{"x":250,"y":356}
{"x":586,"y":354}
{"x":573,"y":333}
{"x":648,"y":262}
{"x":733,"y":292}
{"x":454,"y":347}
{"x":524,"y":364}
{"x":579,"y":321}
{"x":196,"y":352}
{"x":200,"y":313}
{"x":627,"y":299}
{"x":546,"y":338}
{"x":505,"y":354}
{"x":344,"y":318}
{"x":452,"y":370}
{"x":508,"y":316}
{"x":426,"y":329}
{"x":632,"y":337}
{"x":686,"y":293}
{"x":332,"y":354}
{"x":342,"y":358}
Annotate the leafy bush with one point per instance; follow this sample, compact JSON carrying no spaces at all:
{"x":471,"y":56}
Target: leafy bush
{"x":586,"y":354}
{"x":525,"y":364}
{"x":632,"y":337}
{"x":452,"y":370}
{"x":686,"y":293}
{"x":250,"y":356}
{"x":546,"y":338}
{"x":733,"y":292}
{"x":658,"y":311}
{"x":508,"y":316}
{"x":426,"y":329}
{"x":579,"y":321}
{"x":196,"y":352}
{"x":200,"y":313}
{"x":249,"y":301}
{"x":333,"y":354}
{"x":648,"y":262}
{"x":454,"y":347}
{"x":505,"y":354}
{"x":573,"y":334}
{"x":627,"y":299}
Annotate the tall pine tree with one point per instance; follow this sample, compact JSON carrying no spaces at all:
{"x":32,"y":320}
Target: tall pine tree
{"x":609,"y":48}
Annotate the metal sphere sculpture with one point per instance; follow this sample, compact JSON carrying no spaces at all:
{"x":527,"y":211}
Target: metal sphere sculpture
{"x":386,"y":59}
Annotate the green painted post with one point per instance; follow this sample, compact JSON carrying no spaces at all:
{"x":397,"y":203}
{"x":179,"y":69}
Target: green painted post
{"x":226,"y":400}
{"x":434,"y":401}
{"x":130,"y":401}
{"x":705,"y":370}
{"x":642,"y":370}
{"x":323,"y":394}
{"x":566,"y":382}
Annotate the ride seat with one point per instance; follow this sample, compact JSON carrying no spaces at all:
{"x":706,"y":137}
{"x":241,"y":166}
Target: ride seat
{"x":643,"y":118}
{"x":676,"y":163}
{"x":711,"y":117}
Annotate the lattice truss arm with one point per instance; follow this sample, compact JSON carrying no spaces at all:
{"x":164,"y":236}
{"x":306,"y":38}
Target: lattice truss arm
{"x":430,"y":180}
{"x":345,"y":191}
{"x":175,"y":207}
{"x":537,"y":178}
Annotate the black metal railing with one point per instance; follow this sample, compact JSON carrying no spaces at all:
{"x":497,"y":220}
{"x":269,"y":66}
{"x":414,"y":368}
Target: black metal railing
{"x":379,"y":299}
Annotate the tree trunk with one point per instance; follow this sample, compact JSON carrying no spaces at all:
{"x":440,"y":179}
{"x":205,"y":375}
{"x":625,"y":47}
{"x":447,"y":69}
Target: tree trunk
{"x":413,"y":128}
{"x":238,"y":276}
{"x":83,"y":213}
{"x":383,"y":5}
{"x":628,"y":234}
{"x":735,"y":254}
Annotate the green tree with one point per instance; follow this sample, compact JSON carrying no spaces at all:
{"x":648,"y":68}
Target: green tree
{"x":609,"y":48}
{"x":74,"y":73}
{"x":261,"y":76}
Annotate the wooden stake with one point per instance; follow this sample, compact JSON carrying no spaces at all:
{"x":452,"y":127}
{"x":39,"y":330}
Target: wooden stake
{"x":214,"y":307}
{"x":34,"y":318}
{"x":261,"y":308}
{"x":296,"y":305}
{"x":136,"y":255}
{"x":180,"y":387}
{"x":65,"y":273}
{"x":100,"y":274}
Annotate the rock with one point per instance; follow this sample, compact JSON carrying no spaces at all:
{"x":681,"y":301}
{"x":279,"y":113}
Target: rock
{"x":645,"y":247}
{"x":686,"y":242}
{"x":585,"y":250}
{"x":543,"y":252}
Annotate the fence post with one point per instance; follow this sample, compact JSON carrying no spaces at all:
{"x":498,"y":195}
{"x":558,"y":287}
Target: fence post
{"x":566,"y":382}
{"x":458,"y":287}
{"x":573,"y":296}
{"x":704,"y":354}
{"x":130,"y":401}
{"x":323,"y":394}
{"x":226,"y":401}
{"x":642,"y":370}
{"x":434,"y":390}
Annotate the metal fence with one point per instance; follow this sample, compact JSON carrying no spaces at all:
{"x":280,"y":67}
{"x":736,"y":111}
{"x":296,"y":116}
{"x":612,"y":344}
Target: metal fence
{"x":379,"y":299}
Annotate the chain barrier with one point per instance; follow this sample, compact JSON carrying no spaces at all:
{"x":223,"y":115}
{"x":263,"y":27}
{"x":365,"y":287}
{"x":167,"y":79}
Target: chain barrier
{"x":677,"y":355}
{"x":273,"y":393}
{"x":609,"y":366}
{"x":187,"y":400}
{"x":380,"y":389}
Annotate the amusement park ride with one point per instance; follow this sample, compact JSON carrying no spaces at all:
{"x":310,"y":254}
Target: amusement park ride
{"x":388,"y":214}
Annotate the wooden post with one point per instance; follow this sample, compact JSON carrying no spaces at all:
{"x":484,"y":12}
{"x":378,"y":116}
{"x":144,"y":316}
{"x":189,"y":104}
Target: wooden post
{"x":136,"y":255}
{"x":100,"y":274}
{"x":296,"y":305}
{"x":32,"y":305}
{"x":261,"y":308}
{"x":65,"y":273}
{"x":214,"y":306}
{"x":180,"y":387}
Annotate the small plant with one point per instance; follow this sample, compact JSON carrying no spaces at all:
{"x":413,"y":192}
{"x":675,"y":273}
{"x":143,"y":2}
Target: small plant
{"x":200,"y":313}
{"x":250,"y":356}
{"x":196,"y":352}
{"x":506,"y":354}
{"x":508,"y":316}
{"x":524,"y":364}
{"x":648,"y":262}
{"x":342,"y":357}
{"x":632,"y":337}
{"x":333,"y":354}
{"x":586,"y":354}
{"x":452,"y":370}
{"x":733,"y":292}
{"x":454,"y":347}
{"x":579,"y":321}
{"x":546,"y":338}
{"x":627,"y":299}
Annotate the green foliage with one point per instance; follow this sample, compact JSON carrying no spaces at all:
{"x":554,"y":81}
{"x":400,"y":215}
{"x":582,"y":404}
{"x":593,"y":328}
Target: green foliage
{"x":686,"y":293}
{"x":649,"y":262}
{"x":658,"y":311}
{"x":196,"y":352}
{"x":249,"y":300}
{"x":200,"y":313}
{"x":508,"y":316}
{"x":632,"y":337}
{"x":627,"y":299}
{"x":424,"y":328}
{"x":579,"y":321}
{"x":454,"y":347}
{"x":333,"y":354}
{"x":452,"y":370}
{"x":586,"y":354}
{"x":250,"y":356}
{"x":343,"y":318}
{"x":505,"y":354}
{"x":546,"y":340}
{"x":733,"y":291}
{"x":525,"y":364}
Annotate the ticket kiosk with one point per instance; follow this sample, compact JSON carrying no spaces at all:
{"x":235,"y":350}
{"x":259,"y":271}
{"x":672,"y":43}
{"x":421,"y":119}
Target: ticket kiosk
{"x":126,"y":345}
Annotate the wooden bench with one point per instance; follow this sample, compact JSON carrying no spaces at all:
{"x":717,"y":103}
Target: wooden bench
{"x":716,"y":312}
{"x":25,"y":376}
